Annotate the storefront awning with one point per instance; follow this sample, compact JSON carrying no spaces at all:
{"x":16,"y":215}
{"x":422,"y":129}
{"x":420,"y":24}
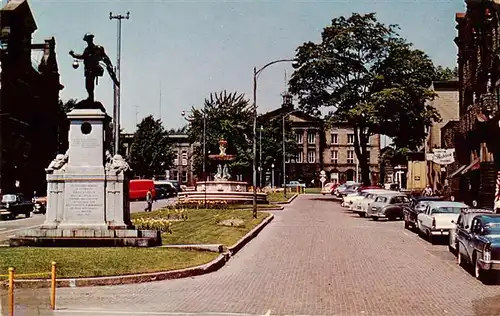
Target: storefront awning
{"x":464,"y":169}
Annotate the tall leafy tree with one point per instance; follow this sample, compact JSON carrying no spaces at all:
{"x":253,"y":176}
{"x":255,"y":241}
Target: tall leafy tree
{"x":227,"y":116}
{"x":443,"y":74}
{"x":368,"y":77}
{"x":150,"y":153}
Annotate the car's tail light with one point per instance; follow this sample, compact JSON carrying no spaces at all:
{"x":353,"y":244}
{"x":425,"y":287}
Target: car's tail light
{"x":433,"y":222}
{"x":487,"y":252}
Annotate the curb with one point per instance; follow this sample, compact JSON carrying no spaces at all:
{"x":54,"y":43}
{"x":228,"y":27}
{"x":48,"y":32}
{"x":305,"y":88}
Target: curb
{"x":287,"y":202}
{"x":209,"y":267}
{"x":251,"y":235}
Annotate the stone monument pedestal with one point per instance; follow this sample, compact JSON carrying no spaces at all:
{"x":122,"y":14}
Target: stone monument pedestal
{"x":87,"y":192}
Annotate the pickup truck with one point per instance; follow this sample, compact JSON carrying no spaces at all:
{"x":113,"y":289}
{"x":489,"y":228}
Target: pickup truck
{"x":417,"y":206}
{"x":438,"y":218}
{"x":14,"y":204}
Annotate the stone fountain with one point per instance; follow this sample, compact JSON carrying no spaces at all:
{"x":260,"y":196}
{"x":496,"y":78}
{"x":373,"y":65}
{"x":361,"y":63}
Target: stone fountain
{"x":222,"y":188}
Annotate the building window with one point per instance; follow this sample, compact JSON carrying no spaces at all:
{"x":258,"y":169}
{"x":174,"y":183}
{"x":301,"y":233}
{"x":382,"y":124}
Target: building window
{"x":350,"y":156}
{"x":299,"y":137}
{"x":335,"y":139}
{"x":175,"y":175}
{"x":176,"y":159}
{"x":334,"y":156}
{"x":184,"y":158}
{"x":300,"y":157}
{"x":184,"y":177}
{"x":368,"y":156}
{"x":350,"y":139}
{"x":311,"y":137}
{"x":311,"y":156}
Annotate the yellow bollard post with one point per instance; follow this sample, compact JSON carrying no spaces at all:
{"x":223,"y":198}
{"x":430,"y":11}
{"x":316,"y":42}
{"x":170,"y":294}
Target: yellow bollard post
{"x":53,"y":287}
{"x":11,"y":291}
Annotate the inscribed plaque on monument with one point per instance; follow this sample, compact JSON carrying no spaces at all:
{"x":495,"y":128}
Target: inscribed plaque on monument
{"x":84,"y":200}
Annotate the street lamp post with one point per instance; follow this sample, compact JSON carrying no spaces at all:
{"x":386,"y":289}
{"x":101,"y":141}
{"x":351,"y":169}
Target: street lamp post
{"x":260,"y":158}
{"x":284,"y":152}
{"x":255,"y":75}
{"x":116,"y":105}
{"x":272,"y":177}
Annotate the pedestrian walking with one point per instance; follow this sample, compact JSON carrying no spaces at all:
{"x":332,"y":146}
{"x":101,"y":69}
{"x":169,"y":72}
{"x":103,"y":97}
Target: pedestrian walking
{"x":427,"y":191}
{"x":149,"y":200}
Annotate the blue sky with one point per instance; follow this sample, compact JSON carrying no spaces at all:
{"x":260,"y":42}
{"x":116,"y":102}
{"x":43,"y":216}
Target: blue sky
{"x":194,"y":48}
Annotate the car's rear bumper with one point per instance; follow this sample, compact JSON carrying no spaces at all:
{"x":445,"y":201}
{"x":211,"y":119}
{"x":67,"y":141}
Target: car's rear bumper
{"x":440,"y":232}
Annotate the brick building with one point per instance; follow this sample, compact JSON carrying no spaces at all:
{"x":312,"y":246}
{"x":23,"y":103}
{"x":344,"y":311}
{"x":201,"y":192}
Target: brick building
{"x":320,"y":148}
{"x":182,"y":166}
{"x":33,"y":128}
{"x":476,"y":142}
{"x":340,"y":161}
{"x":308,"y":130}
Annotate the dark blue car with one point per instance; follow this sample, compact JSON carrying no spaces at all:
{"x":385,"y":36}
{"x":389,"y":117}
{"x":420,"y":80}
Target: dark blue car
{"x":479,"y":245}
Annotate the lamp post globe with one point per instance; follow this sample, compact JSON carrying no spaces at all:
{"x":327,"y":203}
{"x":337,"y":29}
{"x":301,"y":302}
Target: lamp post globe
{"x":75,"y":64}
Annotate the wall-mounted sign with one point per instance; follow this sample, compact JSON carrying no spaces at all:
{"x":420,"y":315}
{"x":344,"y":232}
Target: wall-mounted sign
{"x":443,"y":156}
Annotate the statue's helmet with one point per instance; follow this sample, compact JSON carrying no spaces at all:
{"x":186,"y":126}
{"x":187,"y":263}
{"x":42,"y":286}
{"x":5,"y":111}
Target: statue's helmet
{"x":88,"y":37}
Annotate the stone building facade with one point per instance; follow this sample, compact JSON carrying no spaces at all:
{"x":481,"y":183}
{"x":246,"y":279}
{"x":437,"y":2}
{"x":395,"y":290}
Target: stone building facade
{"x":33,"y":128}
{"x":339,"y":157}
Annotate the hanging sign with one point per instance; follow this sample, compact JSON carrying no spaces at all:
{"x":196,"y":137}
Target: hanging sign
{"x":443,"y":156}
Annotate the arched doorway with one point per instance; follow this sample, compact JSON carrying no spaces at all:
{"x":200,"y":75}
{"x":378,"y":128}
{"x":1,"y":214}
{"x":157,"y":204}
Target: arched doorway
{"x":349,"y":174}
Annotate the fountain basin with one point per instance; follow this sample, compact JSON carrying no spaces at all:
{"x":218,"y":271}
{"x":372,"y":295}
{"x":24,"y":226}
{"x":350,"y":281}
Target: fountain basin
{"x":230,"y":191}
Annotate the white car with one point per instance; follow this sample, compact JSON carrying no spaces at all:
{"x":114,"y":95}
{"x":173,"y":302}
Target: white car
{"x":463,"y":222}
{"x":363,"y":205}
{"x":350,"y":199}
{"x":439,"y":218}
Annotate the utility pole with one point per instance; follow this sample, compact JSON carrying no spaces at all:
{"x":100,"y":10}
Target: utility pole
{"x":160,"y":102}
{"x":136,"y":114}
{"x":116,"y":105}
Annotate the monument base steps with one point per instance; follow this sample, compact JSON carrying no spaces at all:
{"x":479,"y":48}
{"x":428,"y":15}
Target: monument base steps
{"x":86,"y":238}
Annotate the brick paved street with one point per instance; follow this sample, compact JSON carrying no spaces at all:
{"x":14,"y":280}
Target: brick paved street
{"x":313,"y":259}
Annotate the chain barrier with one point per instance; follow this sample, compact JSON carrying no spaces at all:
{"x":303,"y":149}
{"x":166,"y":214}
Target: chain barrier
{"x":11,"y":283}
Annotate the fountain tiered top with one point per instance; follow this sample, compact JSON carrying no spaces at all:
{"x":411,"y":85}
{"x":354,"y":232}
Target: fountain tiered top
{"x":222,"y":170}
{"x":222,"y":156}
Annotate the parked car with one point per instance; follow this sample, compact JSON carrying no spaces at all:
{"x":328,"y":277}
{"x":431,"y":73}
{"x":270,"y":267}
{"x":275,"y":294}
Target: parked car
{"x":164,"y":189}
{"x":341,"y":188}
{"x":480,"y":245}
{"x":417,"y":206}
{"x":350,"y":199}
{"x":464,"y":220}
{"x":294,"y":184}
{"x":438,"y":218}
{"x":13,"y":205}
{"x":40,"y":205}
{"x":329,"y":188}
{"x":176,"y":185}
{"x":138,"y":188}
{"x":361,"y":208}
{"x":353,"y":188}
{"x":388,"y":205}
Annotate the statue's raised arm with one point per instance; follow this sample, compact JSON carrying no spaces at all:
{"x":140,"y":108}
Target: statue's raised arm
{"x":92,"y":56}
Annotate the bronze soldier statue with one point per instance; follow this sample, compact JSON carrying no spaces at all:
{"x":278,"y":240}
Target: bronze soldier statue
{"x":92,"y":56}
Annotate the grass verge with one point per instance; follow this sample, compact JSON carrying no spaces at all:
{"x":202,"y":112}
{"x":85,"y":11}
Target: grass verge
{"x":94,"y":262}
{"x":201,"y":226}
{"x":313,"y":190}
{"x":278,"y":196}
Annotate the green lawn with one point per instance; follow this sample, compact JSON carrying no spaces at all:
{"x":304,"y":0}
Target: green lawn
{"x":278,"y":196}
{"x":90,"y":262}
{"x":313,"y":190}
{"x":201,"y":226}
